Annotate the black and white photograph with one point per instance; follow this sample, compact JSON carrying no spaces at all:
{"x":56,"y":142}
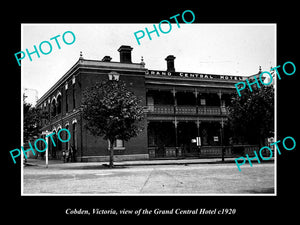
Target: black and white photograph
{"x":118,"y":116}
{"x":130,"y":112}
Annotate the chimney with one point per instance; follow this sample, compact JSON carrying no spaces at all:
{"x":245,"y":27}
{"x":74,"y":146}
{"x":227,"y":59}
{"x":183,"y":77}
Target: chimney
{"x":125,"y":54}
{"x":170,"y":63}
{"x":106,"y":58}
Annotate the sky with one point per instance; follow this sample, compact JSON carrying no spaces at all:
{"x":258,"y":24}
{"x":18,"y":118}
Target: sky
{"x":229,"y":49}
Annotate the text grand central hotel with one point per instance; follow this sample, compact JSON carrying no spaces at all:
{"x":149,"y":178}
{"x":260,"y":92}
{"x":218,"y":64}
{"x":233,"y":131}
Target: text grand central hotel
{"x":179,"y":107}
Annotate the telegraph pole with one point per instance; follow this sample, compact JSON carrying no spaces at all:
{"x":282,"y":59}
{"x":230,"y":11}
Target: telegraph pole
{"x":47,"y":138}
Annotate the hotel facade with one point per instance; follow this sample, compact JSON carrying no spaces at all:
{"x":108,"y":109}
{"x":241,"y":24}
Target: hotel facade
{"x":185,"y":113}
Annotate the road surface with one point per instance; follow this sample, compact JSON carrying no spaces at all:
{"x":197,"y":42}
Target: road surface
{"x":94,"y":178}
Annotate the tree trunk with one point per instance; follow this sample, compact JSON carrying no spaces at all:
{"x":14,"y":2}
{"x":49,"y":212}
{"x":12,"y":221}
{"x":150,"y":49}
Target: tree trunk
{"x":111,"y":156}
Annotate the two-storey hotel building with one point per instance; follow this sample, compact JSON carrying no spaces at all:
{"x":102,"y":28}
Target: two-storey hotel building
{"x":185,"y":112}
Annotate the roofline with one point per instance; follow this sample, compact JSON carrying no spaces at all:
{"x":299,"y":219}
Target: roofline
{"x":54,"y":86}
{"x":129,"y":66}
{"x":86,"y":63}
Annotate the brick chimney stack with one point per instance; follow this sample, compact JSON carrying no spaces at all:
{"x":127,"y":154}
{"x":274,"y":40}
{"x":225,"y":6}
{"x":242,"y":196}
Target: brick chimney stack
{"x":170,"y":63}
{"x":125,"y":54}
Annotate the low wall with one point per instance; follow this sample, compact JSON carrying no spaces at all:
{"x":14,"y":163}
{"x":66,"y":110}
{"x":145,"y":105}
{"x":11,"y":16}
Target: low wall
{"x":206,"y":151}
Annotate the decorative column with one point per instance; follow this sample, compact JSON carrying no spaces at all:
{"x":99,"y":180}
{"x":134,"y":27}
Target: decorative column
{"x":176,"y":134}
{"x":174,"y":96}
{"x":175,"y":118}
{"x":222,"y":139}
{"x":222,"y":103}
{"x":177,"y":149}
{"x":196,"y":99}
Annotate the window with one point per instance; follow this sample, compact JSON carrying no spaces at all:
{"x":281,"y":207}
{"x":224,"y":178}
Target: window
{"x":73,"y":92}
{"x":150,"y":103}
{"x":118,"y":145}
{"x":53,"y":108}
{"x":67,"y":106}
{"x":203,"y":101}
{"x":74,"y":131}
{"x":59,"y":104}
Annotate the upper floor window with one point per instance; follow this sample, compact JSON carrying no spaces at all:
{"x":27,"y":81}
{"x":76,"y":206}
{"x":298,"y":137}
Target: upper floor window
{"x":58,"y":104}
{"x":74,"y":96}
{"x":67,"y":105}
{"x":53,"y":107}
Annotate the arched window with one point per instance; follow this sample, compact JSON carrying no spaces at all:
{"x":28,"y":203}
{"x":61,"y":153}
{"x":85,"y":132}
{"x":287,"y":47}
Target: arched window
{"x":74,"y":135}
{"x":58,"y":104}
{"x":74,"y":95}
{"x":53,"y":107}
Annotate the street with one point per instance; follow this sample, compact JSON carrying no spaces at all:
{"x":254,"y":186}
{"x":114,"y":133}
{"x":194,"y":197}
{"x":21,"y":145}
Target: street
{"x":94,"y":178}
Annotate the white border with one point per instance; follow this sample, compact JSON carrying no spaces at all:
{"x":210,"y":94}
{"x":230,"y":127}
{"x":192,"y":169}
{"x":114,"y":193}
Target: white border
{"x":22,"y":118}
{"x":275,"y":113}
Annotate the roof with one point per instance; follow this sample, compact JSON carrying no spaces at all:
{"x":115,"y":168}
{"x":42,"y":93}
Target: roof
{"x":86,"y":63}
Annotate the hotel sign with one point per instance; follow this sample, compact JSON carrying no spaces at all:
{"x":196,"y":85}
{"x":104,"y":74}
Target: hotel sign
{"x":192,"y":75}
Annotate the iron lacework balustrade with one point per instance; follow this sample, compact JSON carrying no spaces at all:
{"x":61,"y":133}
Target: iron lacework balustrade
{"x":187,"y":110}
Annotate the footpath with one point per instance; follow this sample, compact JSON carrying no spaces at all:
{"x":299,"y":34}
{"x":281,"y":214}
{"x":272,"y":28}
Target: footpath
{"x":150,"y":162}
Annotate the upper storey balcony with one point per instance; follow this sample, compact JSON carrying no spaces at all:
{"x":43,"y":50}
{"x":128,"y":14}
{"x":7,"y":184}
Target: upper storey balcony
{"x":187,"y":103}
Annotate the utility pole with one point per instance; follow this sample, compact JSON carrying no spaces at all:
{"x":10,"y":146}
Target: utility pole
{"x":47,"y":141}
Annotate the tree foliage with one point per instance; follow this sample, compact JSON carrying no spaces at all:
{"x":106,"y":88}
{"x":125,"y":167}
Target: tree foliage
{"x":112,"y":111}
{"x":251,"y":115}
{"x":31,"y":120}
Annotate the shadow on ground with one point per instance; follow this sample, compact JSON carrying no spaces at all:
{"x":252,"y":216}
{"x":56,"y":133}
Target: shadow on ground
{"x":94,"y":167}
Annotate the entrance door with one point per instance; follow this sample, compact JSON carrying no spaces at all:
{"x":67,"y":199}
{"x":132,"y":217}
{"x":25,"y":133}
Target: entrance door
{"x":186,"y":132}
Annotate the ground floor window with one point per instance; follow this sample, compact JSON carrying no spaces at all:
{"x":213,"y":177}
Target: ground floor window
{"x":118,"y":145}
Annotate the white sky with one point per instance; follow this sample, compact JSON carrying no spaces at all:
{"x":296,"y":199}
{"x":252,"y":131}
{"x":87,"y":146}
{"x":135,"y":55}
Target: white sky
{"x":232,"y":49}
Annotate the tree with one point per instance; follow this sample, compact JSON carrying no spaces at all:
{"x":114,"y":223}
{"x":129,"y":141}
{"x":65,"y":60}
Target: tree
{"x":112,"y":112}
{"x":31,"y":120}
{"x":251,"y":115}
